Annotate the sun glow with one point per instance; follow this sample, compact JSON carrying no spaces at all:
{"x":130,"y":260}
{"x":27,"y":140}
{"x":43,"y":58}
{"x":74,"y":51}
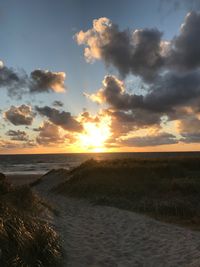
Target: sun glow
{"x":95,"y":135}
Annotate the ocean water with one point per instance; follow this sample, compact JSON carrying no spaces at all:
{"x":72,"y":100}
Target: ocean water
{"x":42,"y":163}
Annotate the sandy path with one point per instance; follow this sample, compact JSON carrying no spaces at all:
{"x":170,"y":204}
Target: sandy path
{"x":104,"y":236}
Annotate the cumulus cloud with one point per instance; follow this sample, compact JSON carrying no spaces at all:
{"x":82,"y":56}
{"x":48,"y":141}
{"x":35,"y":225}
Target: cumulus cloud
{"x":173,"y":89}
{"x":18,"y":82}
{"x":137,"y":52}
{"x":17,"y":135}
{"x":185,"y":49}
{"x":173,"y":95}
{"x":14,"y":81}
{"x":143,"y":52}
{"x":48,"y":134}
{"x":19,"y":115}
{"x":168,"y":91}
{"x":44,"y":81}
{"x":60,"y":118}
{"x":113,"y":93}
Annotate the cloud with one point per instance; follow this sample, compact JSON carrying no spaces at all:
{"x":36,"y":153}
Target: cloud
{"x":60,"y":118}
{"x":45,"y":81}
{"x":125,"y":121}
{"x":87,"y":117}
{"x":150,"y":140}
{"x":10,"y":145}
{"x":171,"y":90}
{"x":137,"y":52}
{"x":49,"y":134}
{"x":113,"y":93}
{"x":17,"y":135}
{"x":185,"y":49}
{"x":143,"y":52}
{"x":14,"y":81}
{"x":18,"y":82}
{"x":189,"y":128}
{"x":5,"y":144}
{"x":58,"y":103}
{"x":168,"y":91}
{"x":19,"y":115}
{"x":173,"y":95}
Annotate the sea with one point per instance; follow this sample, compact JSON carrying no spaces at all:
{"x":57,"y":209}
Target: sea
{"x":42,"y":163}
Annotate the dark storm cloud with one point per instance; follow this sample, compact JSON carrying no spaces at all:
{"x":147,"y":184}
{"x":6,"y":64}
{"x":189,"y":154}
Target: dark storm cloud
{"x":21,"y":115}
{"x":17,"y":135}
{"x":137,"y":52}
{"x":61,"y":118}
{"x":18,"y":82}
{"x":154,"y":140}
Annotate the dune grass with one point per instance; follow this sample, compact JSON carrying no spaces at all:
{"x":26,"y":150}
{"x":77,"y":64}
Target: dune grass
{"x":25,"y":240}
{"x":167,"y":188}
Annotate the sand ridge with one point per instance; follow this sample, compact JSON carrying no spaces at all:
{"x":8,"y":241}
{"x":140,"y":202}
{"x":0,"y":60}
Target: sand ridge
{"x":100,"y":236}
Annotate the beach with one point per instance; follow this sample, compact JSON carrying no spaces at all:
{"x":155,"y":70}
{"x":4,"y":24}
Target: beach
{"x":96,"y":235}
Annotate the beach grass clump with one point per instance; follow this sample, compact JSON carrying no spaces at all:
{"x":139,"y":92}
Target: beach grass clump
{"x":26,"y":239}
{"x":165,"y":188}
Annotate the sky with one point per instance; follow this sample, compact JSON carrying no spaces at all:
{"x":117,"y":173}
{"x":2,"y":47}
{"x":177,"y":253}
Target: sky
{"x":99,"y":76}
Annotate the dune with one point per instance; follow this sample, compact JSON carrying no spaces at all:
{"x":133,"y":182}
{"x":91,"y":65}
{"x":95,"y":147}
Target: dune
{"x":94,"y":235}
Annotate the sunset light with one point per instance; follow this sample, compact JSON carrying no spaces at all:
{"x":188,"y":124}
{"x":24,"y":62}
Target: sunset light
{"x":111,"y":84}
{"x":95,"y":135}
{"x":100,"y":133}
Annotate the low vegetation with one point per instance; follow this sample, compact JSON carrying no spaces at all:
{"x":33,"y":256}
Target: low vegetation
{"x":25,"y":239}
{"x":167,"y":188}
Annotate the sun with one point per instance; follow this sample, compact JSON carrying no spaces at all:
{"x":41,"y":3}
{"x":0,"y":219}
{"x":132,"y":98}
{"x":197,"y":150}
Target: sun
{"x":95,"y":135}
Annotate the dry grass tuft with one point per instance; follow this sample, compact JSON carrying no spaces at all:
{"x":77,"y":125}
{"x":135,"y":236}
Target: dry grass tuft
{"x":25,"y":240}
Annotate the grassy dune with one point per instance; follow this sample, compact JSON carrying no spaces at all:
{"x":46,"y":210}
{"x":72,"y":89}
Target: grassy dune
{"x":167,"y":189}
{"x":25,"y":240}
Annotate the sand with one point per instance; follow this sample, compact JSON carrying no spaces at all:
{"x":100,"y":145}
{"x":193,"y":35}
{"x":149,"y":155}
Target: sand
{"x":99,"y":236}
{"x":22,"y":179}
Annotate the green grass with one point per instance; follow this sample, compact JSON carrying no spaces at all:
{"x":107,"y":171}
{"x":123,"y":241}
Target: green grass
{"x":167,"y":189}
{"x":25,"y":240}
